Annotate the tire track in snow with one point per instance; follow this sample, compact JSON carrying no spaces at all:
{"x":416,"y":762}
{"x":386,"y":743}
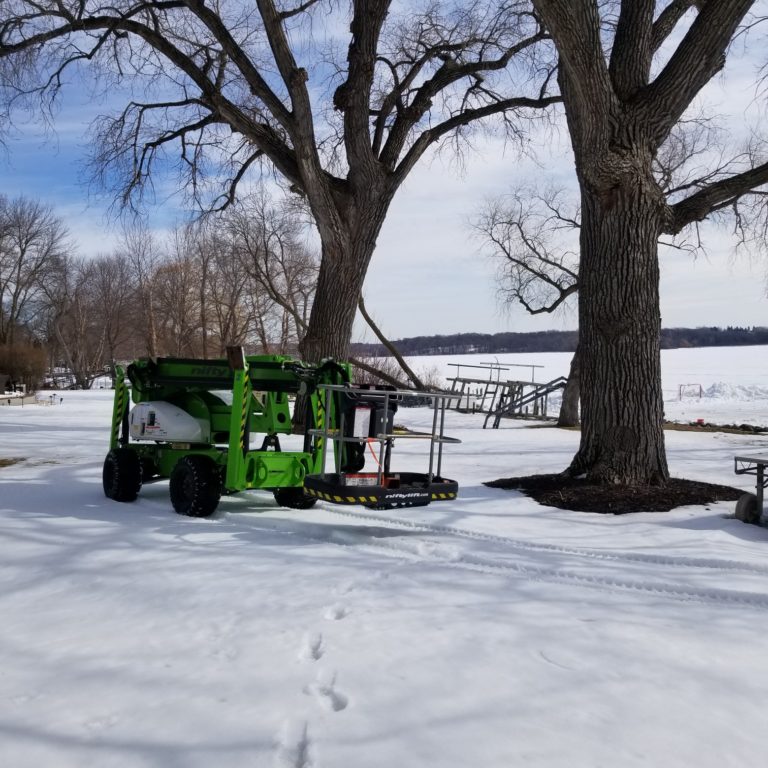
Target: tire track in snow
{"x":426,"y":552}
{"x":526,"y":546}
{"x":541,"y":573}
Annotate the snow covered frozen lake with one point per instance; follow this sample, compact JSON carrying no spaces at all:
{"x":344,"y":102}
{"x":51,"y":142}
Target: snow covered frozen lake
{"x":485,"y":631}
{"x":732,"y":381}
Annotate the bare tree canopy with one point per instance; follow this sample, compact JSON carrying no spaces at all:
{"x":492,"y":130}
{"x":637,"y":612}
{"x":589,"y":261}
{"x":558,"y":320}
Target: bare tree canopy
{"x":32,"y":241}
{"x":341,"y":101}
{"x":528,"y":233}
{"x":630,"y":73}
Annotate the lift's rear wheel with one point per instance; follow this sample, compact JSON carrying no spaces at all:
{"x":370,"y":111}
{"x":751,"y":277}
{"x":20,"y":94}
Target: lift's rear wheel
{"x":121,"y":476}
{"x":195,"y":486}
{"x":295,"y":498}
{"x":746,"y":509}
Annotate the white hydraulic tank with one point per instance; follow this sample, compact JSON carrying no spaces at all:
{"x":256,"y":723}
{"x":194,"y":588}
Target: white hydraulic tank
{"x":163,"y":422}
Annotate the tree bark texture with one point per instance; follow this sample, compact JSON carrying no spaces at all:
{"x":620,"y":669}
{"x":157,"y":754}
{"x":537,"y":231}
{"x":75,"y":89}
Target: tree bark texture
{"x":335,"y":303}
{"x":348,"y":239}
{"x":569,"y":408}
{"x":622,"y":439}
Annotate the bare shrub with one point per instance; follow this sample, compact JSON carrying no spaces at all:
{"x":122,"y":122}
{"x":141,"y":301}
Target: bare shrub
{"x":386,"y":370}
{"x":24,"y":363}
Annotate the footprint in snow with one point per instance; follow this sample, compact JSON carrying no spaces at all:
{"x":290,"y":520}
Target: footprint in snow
{"x":294,"y":746}
{"x":324,"y":690}
{"x":346,"y":587}
{"x":312,"y":647}
{"x":336,"y":612}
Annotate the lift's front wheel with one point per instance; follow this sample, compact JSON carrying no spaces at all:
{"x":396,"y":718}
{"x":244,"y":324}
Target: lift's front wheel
{"x":295,"y":498}
{"x":195,"y":486}
{"x":121,"y":476}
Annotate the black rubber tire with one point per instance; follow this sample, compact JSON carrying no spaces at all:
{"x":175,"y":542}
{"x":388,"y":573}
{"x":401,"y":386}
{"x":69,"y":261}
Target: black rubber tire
{"x":121,"y":475}
{"x":195,"y":486}
{"x":295,"y":498}
{"x":746,"y":509}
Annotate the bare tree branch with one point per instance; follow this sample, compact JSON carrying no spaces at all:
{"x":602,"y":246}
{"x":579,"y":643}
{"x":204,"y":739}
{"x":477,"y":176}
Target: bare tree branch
{"x":537,"y":270}
{"x":632,"y":53}
{"x":668,"y":20}
{"x":716,"y":196}
{"x":694,"y":62}
{"x":389,"y":345}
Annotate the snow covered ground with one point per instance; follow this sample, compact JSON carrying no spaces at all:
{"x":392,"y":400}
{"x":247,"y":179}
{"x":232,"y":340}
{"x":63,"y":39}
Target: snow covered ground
{"x":486,"y":631}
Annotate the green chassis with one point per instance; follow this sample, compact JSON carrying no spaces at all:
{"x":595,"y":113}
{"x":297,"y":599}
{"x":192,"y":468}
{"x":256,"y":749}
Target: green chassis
{"x":260,"y":386}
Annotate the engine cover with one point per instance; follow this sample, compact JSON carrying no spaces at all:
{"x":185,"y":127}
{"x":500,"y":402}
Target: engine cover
{"x":164,"y":422}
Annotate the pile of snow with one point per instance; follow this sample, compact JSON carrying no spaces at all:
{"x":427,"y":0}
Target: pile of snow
{"x":738,"y":392}
{"x":721,"y":403}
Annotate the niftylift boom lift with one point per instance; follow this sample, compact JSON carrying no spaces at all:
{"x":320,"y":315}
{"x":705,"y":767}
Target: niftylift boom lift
{"x":193,"y":421}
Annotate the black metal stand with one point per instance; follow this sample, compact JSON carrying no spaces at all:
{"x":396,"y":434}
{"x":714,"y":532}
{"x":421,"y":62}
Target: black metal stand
{"x":754,"y":465}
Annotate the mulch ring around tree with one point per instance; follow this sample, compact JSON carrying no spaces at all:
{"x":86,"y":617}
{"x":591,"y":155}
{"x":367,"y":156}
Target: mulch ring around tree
{"x":581,"y":495}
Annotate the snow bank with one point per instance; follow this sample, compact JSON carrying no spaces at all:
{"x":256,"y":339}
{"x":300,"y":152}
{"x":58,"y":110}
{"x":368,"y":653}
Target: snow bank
{"x":736,"y":392}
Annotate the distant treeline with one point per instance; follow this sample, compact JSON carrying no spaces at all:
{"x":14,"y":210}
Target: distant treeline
{"x":557,"y":341}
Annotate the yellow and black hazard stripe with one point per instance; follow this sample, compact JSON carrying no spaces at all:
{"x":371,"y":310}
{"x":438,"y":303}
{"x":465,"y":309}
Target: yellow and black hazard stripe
{"x":336,"y":499}
{"x":119,"y":413}
{"x":341,"y":499}
{"x":244,"y":417}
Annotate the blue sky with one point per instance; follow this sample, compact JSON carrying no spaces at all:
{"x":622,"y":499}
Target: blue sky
{"x":428,"y":274}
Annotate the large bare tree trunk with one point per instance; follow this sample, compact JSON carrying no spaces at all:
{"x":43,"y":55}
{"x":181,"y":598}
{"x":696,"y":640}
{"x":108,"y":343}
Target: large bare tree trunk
{"x":569,"y":408}
{"x":622,"y":439}
{"x":329,"y":330}
{"x":333,"y":311}
{"x":348,"y":242}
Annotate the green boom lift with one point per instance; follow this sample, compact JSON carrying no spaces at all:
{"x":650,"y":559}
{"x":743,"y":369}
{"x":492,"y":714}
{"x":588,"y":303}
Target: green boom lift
{"x":193,"y":421}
